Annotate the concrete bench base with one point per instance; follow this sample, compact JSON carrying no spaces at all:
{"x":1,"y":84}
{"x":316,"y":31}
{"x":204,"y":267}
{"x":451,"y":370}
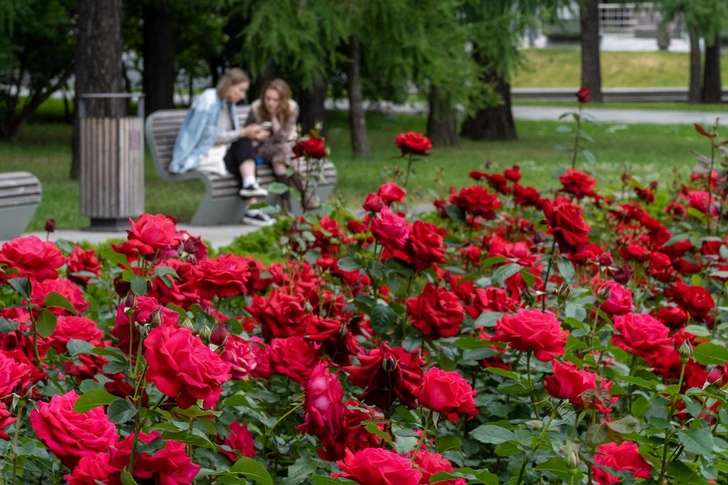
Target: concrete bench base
{"x":20,"y":195}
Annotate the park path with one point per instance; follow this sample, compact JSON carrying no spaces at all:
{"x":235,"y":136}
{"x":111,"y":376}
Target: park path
{"x":629,"y":116}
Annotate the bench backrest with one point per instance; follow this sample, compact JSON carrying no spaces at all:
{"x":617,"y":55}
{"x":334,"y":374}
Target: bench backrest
{"x":162,"y":128}
{"x":19,"y":188}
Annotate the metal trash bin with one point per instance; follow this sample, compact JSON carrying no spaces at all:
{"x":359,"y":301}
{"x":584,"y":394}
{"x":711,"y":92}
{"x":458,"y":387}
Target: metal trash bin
{"x":111,"y":159}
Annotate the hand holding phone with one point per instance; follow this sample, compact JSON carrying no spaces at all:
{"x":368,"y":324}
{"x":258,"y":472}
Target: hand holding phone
{"x":266,"y":125}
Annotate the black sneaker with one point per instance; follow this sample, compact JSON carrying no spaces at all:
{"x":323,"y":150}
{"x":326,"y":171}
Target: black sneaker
{"x":253,"y":190}
{"x":259,"y":219}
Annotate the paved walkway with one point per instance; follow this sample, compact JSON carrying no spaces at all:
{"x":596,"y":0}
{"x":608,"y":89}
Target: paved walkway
{"x":629,"y":116}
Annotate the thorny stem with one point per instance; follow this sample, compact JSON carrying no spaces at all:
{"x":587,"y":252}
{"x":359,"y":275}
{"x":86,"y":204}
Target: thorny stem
{"x":530,"y":384}
{"x":578,"y":132}
{"x":669,"y":434}
{"x":548,"y":273}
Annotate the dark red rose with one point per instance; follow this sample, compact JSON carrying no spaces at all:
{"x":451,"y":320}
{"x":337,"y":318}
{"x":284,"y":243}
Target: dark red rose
{"x":377,"y":466}
{"x":94,"y":469}
{"x":476,"y":200}
{"x":566,"y":223}
{"x":532,"y":330}
{"x":373,"y":203}
{"x":240,"y":354}
{"x":240,"y":441}
{"x":499,"y":183}
{"x":577,"y":183}
{"x":640,"y":334}
{"x":169,"y":466}
{"x":425,"y":246}
{"x":526,"y":196}
{"x":676,"y":210}
{"x":513,"y":174}
{"x":293,"y":357}
{"x":436,"y":312}
{"x":152,"y":233}
{"x":387,"y":374}
{"x":144,"y":309}
{"x":622,"y":457}
{"x":619,"y":301}
{"x":32,"y":257}
{"x":180,"y":291}
{"x":477,"y":175}
{"x":583,"y":95}
{"x":82,"y":261}
{"x":72,"y":293}
{"x":623,"y":274}
{"x":50,"y":225}
{"x":695,"y":300}
{"x":224,"y":276}
{"x":323,"y":404}
{"x":333,"y":338}
{"x":660,"y":266}
{"x":311,"y":147}
{"x":671,"y":316}
{"x":391,"y":192}
{"x":430,"y":464}
{"x":569,"y":382}
{"x":413,"y":143}
{"x":280,"y":315}
{"x":447,"y":393}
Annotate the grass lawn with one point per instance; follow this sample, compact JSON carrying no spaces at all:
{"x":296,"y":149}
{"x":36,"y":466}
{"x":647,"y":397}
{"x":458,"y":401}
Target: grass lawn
{"x":649,"y":105}
{"x":561,"y":68}
{"x":650,"y":150}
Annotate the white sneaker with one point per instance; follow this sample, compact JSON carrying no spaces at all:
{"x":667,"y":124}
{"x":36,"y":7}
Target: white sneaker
{"x":253,"y":190}
{"x":258,"y":218}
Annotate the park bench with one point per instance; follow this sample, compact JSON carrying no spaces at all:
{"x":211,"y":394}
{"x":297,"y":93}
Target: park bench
{"x":20,"y":195}
{"x":221,"y":203}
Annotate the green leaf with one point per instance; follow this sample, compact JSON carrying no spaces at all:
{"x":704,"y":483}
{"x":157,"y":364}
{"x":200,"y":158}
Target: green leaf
{"x":21,"y":286}
{"x":149,"y":448}
{"x":76,"y":347}
{"x":505,"y":272}
{"x":528,"y":277}
{"x":699,"y":330}
{"x":114,"y":257}
{"x":277,"y":188}
{"x":449,"y":442}
{"x":558,"y":466}
{"x":494,"y":260}
{"x":382,"y":319}
{"x":626,"y":425}
{"x":160,"y":271}
{"x":120,"y":411}
{"x":698,"y":441}
{"x":93,"y":399}
{"x":710,"y":354}
{"x":503,"y":373}
{"x":375,"y":430}
{"x":57,"y":300}
{"x":348,"y":264}
{"x":46,"y":323}
{"x":252,"y":470}
{"x":139,"y":285}
{"x":7,"y":326}
{"x":455,"y":213}
{"x":127,"y":479}
{"x":471,"y":343}
{"x":322,"y":480}
{"x":488,"y":319}
{"x":596,"y":434}
{"x":493,"y":435}
{"x":566,"y":269}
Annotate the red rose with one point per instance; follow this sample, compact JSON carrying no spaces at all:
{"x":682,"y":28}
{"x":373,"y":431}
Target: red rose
{"x":390,"y":230}
{"x":391,"y":192}
{"x":32,"y":257}
{"x":377,"y":466}
{"x":240,"y":441}
{"x":152,"y":233}
{"x":640,"y":334}
{"x":62,"y":286}
{"x":526,"y":196}
{"x":413,"y":143}
{"x":183,"y":367}
{"x":447,"y":393}
{"x":490,"y":299}
{"x":280,"y":315}
{"x":660,"y":266}
{"x":568,"y":382}
{"x":387,"y":374}
{"x":323,"y":404}
{"x":332,"y":337}
{"x":373,"y":203}
{"x":182,"y":291}
{"x":224,"y":276}
{"x":698,"y":200}
{"x":82,"y":261}
{"x":169,"y":466}
{"x":5,"y":420}
{"x":241,"y":357}
{"x":430,"y":464}
{"x":676,"y":210}
{"x":577,"y":183}
{"x":567,"y":225}
{"x":476,"y":200}
{"x":499,"y":183}
{"x":50,"y":225}
{"x":436,"y":312}
{"x":619,"y":301}
{"x":12,"y":373}
{"x":70,"y":327}
{"x":672,"y":317}
{"x":583,"y":95}
{"x":695,"y":300}
{"x":293,"y":357}
{"x":634,"y":251}
{"x":513,"y":174}
{"x":532,"y":330}
{"x":144,"y":309}
{"x":94,"y":469}
{"x":477,"y":175}
{"x":71,"y":435}
{"x":623,"y":457}
{"x":425,"y":245}
{"x":311,"y":147}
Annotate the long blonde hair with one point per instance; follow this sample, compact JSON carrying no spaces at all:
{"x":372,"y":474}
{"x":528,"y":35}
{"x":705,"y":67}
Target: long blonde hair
{"x":284,"y":105}
{"x":233,"y":77}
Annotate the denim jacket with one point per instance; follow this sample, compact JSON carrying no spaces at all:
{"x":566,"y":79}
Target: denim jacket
{"x":199,"y":131}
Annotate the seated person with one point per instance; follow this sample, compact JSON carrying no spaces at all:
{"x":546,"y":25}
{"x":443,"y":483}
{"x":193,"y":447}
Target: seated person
{"x":211,"y":140}
{"x":276,"y":107}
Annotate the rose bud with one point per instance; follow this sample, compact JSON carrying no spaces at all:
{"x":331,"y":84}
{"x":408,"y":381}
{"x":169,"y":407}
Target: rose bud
{"x":155,"y":318}
{"x":605,"y":259}
{"x":50,"y":225}
{"x":623,"y":274}
{"x":219,"y":335}
{"x":129,"y":302}
{"x":604,"y":293}
{"x":686,"y":350}
{"x":714,"y":375}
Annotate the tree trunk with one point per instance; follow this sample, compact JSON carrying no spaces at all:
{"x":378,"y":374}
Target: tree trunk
{"x":357,"y":115}
{"x":442,"y":121}
{"x":312,"y":108}
{"x":158,"y":53}
{"x":98,"y":63}
{"x":591,"y":74}
{"x":256,"y":86}
{"x":694,"y":94}
{"x":712,"y":88}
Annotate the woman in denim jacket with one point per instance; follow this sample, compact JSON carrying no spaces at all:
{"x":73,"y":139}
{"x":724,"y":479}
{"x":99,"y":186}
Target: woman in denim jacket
{"x":211,"y":140}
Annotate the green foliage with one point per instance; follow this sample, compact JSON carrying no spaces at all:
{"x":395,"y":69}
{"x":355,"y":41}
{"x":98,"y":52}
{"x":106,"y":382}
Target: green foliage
{"x":261,"y":244}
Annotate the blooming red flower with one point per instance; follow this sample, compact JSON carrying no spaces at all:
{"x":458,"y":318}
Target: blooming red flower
{"x":526,"y":196}
{"x":447,"y":393}
{"x":425,"y":246}
{"x":311,"y":147}
{"x":12,"y":373}
{"x":476,"y":200}
{"x":578,"y":184}
{"x":240,"y":355}
{"x":430,"y":464}
{"x":377,"y":466}
{"x":566,"y":223}
{"x":569,"y":382}
{"x":82,"y":261}
{"x":583,"y":95}
{"x":152,"y":233}
{"x":671,"y":316}
{"x":640,"y":334}
{"x":182,"y":291}
{"x":413,"y":143}
{"x":391,"y":192}
{"x":373,"y":203}
{"x":695,"y":300}
{"x":532,"y":330}
{"x":70,"y":327}
{"x":32,"y":257}
{"x":660,"y":266}
{"x":71,"y":435}
{"x":184,"y":368}
{"x":619,"y":300}
{"x":622,"y":457}
{"x":436,"y":313}
{"x":390,"y":230}
{"x":65,"y":288}
{"x":224,"y":276}
{"x":323,"y":404}
{"x":293,"y":357}
{"x":387,"y":374}
{"x":513,"y":174}
{"x":144,"y":309}
{"x":169,"y":466}
{"x":240,"y":441}
{"x":5,"y":420}
{"x":94,"y":469}
{"x":280,"y":315}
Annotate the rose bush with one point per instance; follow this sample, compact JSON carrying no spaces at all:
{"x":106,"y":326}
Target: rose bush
{"x":510,"y":336}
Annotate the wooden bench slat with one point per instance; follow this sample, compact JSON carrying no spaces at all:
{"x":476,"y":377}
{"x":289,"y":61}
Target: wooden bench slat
{"x":32,"y":199}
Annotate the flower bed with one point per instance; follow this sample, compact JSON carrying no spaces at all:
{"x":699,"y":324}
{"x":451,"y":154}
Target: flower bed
{"x":507,"y":337}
